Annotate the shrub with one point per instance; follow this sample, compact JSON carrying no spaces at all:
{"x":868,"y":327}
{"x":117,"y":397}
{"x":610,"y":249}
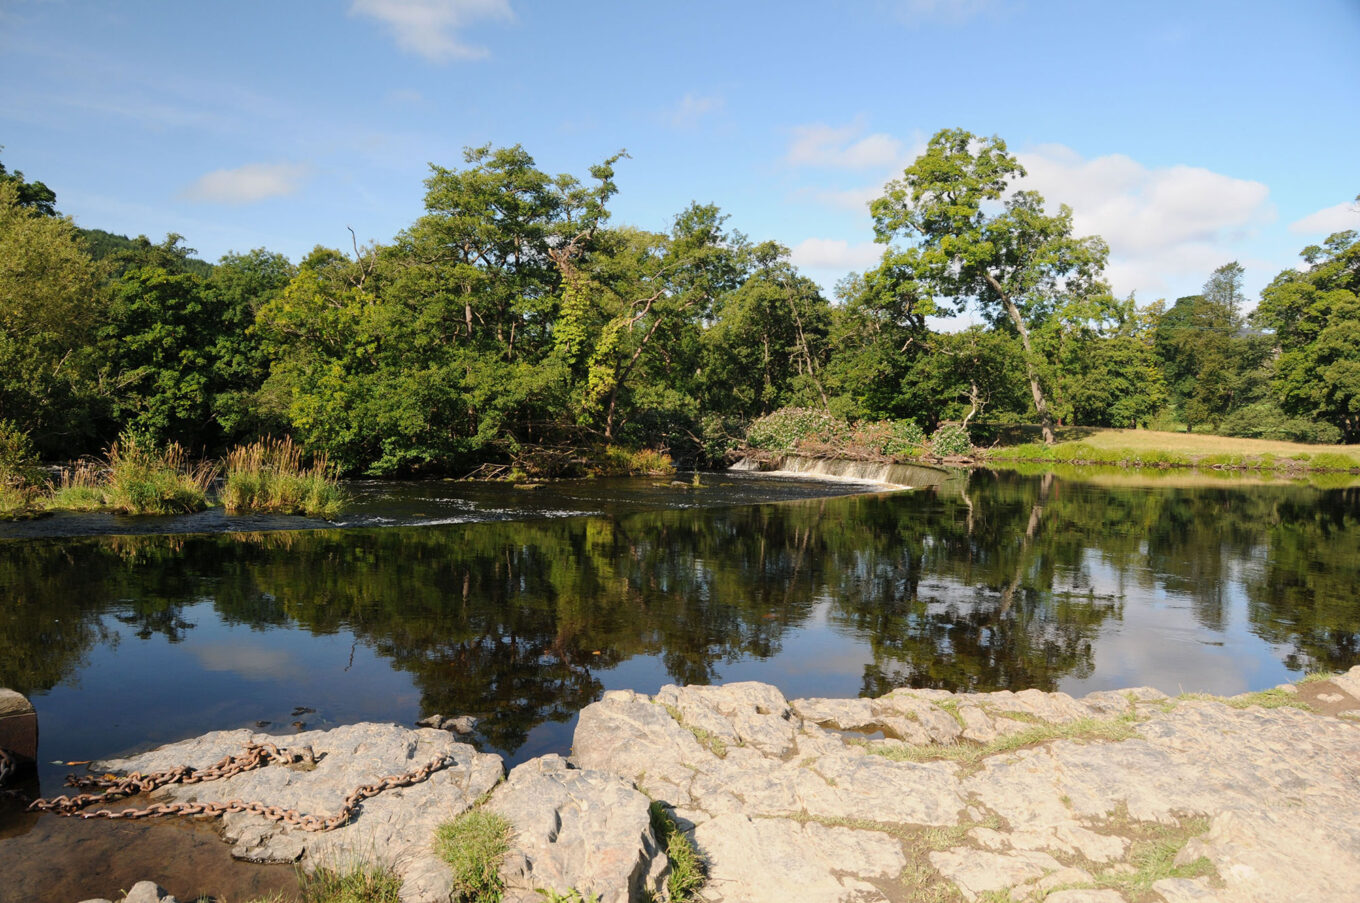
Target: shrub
{"x":143,"y":479}
{"x":620,"y":462}
{"x":894,"y":438}
{"x":1265,"y":420}
{"x":1333,"y":461}
{"x":268,"y":476}
{"x":784,"y":429}
{"x":20,"y":477}
{"x":951,"y":440}
{"x":473,"y":845}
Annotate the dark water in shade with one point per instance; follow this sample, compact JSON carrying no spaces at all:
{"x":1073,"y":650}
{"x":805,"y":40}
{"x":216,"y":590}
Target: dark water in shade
{"x":522,"y":607}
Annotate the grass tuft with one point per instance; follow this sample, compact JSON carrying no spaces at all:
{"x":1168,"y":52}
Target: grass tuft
{"x":473,"y":845}
{"x":687,"y":869}
{"x":144,"y":479}
{"x":269,"y":476}
{"x":359,"y":884}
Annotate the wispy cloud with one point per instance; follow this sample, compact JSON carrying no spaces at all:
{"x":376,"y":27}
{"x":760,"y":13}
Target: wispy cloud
{"x":431,"y":28}
{"x":692,"y":108}
{"x":841,"y":147}
{"x":1336,"y":218}
{"x":247,"y":184}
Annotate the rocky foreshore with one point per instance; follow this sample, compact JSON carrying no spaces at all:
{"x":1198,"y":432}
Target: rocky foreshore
{"x":917,"y":795}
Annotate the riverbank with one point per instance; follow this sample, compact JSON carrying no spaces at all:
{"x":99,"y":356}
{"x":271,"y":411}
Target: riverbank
{"x":917,"y":795}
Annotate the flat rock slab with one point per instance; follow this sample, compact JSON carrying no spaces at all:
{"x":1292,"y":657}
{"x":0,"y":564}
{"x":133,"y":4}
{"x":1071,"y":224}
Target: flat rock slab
{"x":867,"y":800}
{"x":395,"y":826}
{"x":588,"y":831}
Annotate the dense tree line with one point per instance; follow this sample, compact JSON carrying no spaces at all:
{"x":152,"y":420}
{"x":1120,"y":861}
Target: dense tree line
{"x":512,"y":322}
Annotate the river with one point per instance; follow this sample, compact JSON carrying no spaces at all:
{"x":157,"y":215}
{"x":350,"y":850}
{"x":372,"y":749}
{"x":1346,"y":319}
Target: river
{"x":521,"y":607}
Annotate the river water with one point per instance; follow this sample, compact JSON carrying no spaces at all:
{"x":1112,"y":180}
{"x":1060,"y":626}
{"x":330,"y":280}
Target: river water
{"x":521,"y":607}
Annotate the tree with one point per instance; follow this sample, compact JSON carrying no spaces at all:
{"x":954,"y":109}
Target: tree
{"x":50,"y":304}
{"x":1015,"y":263}
{"x":33,"y":196}
{"x":1315,"y":318}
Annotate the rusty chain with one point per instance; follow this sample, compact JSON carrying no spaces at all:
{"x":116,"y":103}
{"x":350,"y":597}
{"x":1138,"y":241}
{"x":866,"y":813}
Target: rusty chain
{"x":255,"y":756}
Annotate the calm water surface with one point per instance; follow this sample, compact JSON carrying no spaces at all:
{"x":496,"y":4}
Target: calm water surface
{"x":521,"y":608}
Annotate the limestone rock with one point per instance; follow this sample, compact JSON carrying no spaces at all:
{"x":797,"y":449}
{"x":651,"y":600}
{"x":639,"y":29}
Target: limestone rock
{"x":771,"y":860}
{"x":1085,"y":895}
{"x":1349,"y":682}
{"x":574,"y":829}
{"x":395,"y":826}
{"x":976,"y":872}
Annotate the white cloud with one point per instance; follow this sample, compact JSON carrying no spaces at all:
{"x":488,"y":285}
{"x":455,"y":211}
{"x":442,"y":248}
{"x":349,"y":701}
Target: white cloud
{"x":842,"y":148}
{"x":692,"y":108}
{"x":835,"y":254}
{"x":1166,"y":227}
{"x":247,"y":184}
{"x":1336,"y":218}
{"x":430,"y":27}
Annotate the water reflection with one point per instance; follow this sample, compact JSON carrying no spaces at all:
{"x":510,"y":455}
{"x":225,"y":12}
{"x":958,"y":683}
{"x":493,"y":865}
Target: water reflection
{"x":997,"y":580}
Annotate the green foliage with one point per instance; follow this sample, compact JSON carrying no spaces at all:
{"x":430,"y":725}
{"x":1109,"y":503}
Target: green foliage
{"x":1333,"y":461}
{"x":951,"y":440}
{"x":50,"y":305}
{"x":784,"y":430}
{"x":268,"y":475}
{"x":687,"y":869}
{"x":143,"y":478}
{"x":1264,"y":420}
{"x":1315,"y":317}
{"x":571,"y":896}
{"x":473,"y":845}
{"x":615,"y":461}
{"x":361,"y":883}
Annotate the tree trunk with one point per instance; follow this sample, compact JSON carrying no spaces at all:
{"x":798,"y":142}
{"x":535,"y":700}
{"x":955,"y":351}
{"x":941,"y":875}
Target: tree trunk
{"x":1040,"y":404}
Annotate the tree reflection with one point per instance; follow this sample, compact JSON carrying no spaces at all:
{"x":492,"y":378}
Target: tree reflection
{"x":1000,"y":580}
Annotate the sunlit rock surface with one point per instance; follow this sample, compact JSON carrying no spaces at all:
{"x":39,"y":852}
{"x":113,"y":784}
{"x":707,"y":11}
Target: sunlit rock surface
{"x":1059,"y":799}
{"x":1116,"y":796}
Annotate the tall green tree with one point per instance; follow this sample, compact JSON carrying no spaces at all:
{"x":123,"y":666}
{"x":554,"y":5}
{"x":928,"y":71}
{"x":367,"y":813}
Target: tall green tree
{"x":1315,"y":318}
{"x":972,"y":241}
{"x":51,"y":302}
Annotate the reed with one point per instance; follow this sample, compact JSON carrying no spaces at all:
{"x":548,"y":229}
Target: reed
{"x":269,"y":475}
{"x":143,"y":478}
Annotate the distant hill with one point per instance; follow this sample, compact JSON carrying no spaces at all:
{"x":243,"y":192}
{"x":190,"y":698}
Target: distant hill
{"x":103,"y":244}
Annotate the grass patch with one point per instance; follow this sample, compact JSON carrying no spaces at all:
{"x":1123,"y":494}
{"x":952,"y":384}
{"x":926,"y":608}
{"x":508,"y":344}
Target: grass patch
{"x":1313,"y":677}
{"x":1153,"y":856}
{"x":144,"y":479}
{"x":687,"y":869}
{"x":81,"y":488}
{"x":473,"y":845}
{"x":20,"y":479}
{"x":1274,"y":698}
{"x":614,"y":461}
{"x":970,"y":755}
{"x":269,"y":476}
{"x":707,"y":739}
{"x":359,"y":884}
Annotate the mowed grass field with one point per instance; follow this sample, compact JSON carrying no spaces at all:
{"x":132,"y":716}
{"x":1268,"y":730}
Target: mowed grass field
{"x":1085,"y":446}
{"x":1193,"y":444}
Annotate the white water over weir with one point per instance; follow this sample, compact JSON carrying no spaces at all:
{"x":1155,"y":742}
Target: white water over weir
{"x":901,"y":476}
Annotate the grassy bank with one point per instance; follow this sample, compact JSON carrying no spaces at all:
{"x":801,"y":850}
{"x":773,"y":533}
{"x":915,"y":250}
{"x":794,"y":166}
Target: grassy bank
{"x":1150,"y":448}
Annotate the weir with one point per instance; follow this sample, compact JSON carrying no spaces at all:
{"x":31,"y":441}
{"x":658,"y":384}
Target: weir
{"x":913,"y":476}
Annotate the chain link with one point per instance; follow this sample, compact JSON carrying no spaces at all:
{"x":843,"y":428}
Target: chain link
{"x":255,"y":756}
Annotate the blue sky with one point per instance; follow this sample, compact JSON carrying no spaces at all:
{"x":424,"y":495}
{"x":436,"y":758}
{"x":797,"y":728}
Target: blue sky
{"x":1186,"y":133}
